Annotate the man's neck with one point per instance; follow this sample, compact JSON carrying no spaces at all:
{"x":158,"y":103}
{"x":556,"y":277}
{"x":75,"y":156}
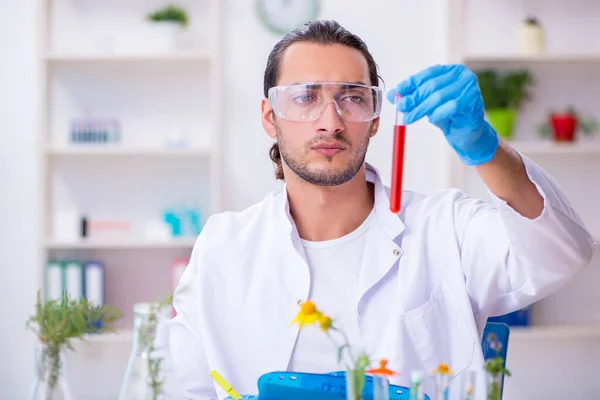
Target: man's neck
{"x":329,"y":212}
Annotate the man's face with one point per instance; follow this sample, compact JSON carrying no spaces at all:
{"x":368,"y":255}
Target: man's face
{"x":328,"y":151}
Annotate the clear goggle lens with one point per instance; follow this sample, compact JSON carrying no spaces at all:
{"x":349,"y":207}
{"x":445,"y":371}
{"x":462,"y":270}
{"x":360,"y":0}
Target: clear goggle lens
{"x":306,"y":102}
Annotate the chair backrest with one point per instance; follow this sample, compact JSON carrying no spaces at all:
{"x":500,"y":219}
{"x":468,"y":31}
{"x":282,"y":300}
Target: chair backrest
{"x":494,"y":334}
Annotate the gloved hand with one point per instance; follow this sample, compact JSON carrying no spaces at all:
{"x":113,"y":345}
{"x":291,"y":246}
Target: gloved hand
{"x":449,"y":96}
{"x":244,"y":397}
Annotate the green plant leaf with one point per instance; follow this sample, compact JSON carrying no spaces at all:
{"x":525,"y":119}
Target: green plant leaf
{"x":169,"y":13}
{"x":504,"y":90}
{"x":340,"y":353}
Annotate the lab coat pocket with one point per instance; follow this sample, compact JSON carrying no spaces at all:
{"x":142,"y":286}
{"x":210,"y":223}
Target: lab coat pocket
{"x":439,"y":332}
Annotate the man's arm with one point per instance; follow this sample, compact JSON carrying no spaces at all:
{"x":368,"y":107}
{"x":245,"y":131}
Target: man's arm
{"x":185,"y":342}
{"x":515,"y":255}
{"x":505,"y":176}
{"x":529,"y":241}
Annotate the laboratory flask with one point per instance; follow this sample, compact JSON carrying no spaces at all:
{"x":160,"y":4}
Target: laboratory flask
{"x":50,"y":374}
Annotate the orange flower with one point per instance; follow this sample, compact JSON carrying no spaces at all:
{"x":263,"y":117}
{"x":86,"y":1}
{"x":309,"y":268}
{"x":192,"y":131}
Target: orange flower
{"x":383,"y":370}
{"x":308,"y":314}
{"x":442,"y":369}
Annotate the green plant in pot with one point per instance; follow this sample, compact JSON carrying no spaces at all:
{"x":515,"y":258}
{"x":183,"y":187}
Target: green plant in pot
{"x":503,"y":95}
{"x":563,"y":125}
{"x":168,"y":28}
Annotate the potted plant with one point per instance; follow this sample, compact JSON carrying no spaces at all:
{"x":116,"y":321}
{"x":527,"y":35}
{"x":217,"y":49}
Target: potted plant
{"x":563,"y":125}
{"x":503,"y":95}
{"x":56,"y":323}
{"x":168,"y":24}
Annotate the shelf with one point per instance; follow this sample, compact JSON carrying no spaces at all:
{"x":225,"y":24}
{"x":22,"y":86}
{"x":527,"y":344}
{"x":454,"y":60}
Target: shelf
{"x":119,"y":336}
{"x":122,"y":244}
{"x":541,"y":59}
{"x":145,"y":57}
{"x":556,"y":332}
{"x":548,"y":147}
{"x":127,"y":151}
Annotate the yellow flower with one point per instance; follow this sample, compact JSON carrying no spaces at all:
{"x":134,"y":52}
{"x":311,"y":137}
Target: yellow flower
{"x":325,"y":322}
{"x":307,"y":315}
{"x":442,"y":369}
{"x":308,"y":308}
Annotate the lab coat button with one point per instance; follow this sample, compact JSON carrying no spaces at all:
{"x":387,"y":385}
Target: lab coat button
{"x":396,"y":252}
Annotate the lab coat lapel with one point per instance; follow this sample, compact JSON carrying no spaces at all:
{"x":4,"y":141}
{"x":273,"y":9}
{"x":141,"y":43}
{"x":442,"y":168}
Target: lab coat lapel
{"x":291,"y":278}
{"x":381,"y":250}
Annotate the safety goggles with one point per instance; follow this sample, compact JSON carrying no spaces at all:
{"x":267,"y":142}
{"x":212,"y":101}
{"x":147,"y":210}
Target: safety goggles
{"x":306,"y":102}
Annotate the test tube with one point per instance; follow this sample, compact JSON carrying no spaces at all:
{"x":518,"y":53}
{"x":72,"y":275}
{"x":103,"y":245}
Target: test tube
{"x":397,"y":160}
{"x":468,"y":385}
{"x":416,"y":385}
{"x":381,"y":388}
{"x":442,"y":386}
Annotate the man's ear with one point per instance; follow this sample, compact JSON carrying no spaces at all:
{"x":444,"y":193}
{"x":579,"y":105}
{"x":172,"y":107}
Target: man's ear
{"x":375,"y":126}
{"x":268,"y":118}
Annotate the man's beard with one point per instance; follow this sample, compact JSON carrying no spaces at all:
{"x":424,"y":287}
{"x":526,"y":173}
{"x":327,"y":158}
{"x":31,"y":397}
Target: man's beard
{"x":324,"y":177}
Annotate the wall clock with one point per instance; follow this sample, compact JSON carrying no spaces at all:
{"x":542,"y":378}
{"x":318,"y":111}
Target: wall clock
{"x":282,"y":16}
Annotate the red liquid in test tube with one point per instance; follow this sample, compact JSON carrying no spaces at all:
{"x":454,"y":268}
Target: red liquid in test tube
{"x":397,"y":161}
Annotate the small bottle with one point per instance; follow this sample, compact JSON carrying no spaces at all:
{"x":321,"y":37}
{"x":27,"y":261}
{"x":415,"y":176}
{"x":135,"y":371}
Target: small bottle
{"x":530,"y":38}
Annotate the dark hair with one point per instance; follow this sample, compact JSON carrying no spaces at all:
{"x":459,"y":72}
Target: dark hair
{"x":320,"y":32}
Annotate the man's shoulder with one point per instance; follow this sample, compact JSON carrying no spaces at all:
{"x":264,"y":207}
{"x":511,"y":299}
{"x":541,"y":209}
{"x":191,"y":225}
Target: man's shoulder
{"x":231,"y":225}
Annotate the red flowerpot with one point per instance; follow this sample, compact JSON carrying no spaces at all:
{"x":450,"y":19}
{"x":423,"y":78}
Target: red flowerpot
{"x":564,"y":126}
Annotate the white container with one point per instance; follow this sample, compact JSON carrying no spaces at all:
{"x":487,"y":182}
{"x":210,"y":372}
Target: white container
{"x":530,"y":38}
{"x":162,"y":37}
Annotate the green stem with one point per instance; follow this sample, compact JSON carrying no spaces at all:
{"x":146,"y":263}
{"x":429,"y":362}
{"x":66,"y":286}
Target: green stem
{"x":52,"y":356}
{"x":347,"y":343}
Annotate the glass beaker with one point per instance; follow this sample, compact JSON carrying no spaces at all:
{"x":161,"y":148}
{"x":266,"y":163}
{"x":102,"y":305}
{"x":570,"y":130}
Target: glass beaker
{"x":144,"y":377}
{"x":50,"y":365}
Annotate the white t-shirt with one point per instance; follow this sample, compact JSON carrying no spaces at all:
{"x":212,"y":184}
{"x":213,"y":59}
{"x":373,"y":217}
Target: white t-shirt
{"x":334,"y":270}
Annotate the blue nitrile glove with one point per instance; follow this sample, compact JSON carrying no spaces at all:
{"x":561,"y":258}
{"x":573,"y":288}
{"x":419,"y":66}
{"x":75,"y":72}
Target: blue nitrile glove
{"x":244,"y":397}
{"x":449,"y":96}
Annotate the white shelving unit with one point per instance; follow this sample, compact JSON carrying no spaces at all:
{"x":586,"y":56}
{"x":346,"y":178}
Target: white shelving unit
{"x":482,"y":35}
{"x":98,"y":59}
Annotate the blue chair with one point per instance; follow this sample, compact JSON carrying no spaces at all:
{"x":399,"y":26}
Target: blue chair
{"x":501,"y":332}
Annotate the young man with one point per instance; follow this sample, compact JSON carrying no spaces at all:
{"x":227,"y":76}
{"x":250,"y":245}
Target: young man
{"x":414,"y":288}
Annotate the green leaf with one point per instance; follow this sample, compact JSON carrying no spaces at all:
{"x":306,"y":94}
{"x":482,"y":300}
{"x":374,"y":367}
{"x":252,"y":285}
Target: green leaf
{"x":340,"y":353}
{"x":508,"y":90}
{"x":169,"y":13}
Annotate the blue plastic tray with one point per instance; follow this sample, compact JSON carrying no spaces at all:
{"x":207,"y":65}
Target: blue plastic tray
{"x":302,"y":386}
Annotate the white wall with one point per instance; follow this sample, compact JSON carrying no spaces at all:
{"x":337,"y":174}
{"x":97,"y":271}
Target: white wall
{"x":19,"y":187}
{"x":405,"y":36}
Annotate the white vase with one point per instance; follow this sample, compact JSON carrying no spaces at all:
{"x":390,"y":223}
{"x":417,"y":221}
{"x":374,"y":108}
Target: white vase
{"x":40,"y":389}
{"x":530,"y":38}
{"x":163,"y":37}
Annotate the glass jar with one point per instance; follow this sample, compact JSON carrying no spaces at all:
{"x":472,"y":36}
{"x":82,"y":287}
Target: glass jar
{"x":49,"y":363}
{"x":145,"y":374}
{"x":355,"y":383}
{"x":493,"y":385}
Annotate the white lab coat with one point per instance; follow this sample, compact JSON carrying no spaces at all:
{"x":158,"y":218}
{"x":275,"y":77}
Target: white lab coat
{"x":431,"y":278}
